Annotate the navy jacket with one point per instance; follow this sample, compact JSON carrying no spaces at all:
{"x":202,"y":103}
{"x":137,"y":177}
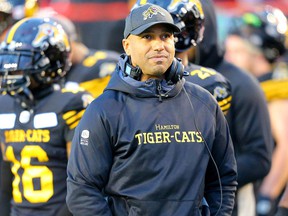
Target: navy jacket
{"x":141,"y":148}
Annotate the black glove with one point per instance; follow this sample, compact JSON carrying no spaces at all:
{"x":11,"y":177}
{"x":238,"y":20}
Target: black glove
{"x":264,"y":205}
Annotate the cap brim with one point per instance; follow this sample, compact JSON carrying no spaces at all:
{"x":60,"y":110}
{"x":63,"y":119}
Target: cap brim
{"x":141,"y":29}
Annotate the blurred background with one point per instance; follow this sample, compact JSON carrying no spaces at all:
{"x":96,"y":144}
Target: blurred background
{"x":100,"y":23}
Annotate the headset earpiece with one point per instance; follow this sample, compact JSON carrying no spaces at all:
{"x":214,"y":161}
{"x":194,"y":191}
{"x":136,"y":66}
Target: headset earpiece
{"x":130,"y":70}
{"x":175,"y":72}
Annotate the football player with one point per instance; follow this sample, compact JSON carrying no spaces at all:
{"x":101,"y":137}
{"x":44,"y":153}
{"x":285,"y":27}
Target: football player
{"x":37,"y":116}
{"x":189,"y":17}
{"x":91,"y":69}
{"x":261,"y":36}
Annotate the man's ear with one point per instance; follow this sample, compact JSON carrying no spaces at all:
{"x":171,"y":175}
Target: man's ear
{"x":126,"y":46}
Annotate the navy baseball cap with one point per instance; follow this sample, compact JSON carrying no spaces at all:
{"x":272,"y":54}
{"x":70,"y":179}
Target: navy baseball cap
{"x":145,"y":16}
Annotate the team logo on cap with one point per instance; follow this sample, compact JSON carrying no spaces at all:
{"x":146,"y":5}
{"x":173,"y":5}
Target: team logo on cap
{"x":150,"y":12}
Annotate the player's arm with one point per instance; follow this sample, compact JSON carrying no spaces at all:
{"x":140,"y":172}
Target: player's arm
{"x":68,"y":148}
{"x":73,"y":113}
{"x":215,"y":83}
{"x":222,"y":93}
{"x":6,"y":178}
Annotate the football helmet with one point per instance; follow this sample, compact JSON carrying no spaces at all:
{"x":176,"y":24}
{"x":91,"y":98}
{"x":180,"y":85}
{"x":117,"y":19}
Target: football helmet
{"x":265,"y":29}
{"x":34,"y":48}
{"x":188,"y":16}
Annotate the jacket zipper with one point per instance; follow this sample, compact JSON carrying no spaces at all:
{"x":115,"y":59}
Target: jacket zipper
{"x":159,"y":89}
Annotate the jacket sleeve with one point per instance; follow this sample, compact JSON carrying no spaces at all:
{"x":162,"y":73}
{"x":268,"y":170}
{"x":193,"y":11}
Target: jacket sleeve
{"x":88,"y":166}
{"x":221,"y":175}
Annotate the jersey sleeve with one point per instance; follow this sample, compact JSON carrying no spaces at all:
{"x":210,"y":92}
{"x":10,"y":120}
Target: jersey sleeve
{"x":214,"y":82}
{"x":74,"y":110}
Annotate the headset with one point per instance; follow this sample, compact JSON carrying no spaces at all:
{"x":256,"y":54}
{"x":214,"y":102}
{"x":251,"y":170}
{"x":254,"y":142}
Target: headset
{"x":173,"y":74}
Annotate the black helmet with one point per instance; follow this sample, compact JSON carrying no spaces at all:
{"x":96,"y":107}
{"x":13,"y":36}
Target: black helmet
{"x":188,"y":16}
{"x":265,"y":29}
{"x":33,"y":47}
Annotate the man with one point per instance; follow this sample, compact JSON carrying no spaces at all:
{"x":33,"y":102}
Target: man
{"x":248,"y":117}
{"x":268,"y":26}
{"x":6,"y":20}
{"x":148,"y":144}
{"x":37,"y":121}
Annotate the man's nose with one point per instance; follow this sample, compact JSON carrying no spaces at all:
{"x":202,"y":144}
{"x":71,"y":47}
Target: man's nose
{"x":158,"y":44}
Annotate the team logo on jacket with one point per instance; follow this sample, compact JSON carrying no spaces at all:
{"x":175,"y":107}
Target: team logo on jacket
{"x":150,"y":12}
{"x":84,"y":137}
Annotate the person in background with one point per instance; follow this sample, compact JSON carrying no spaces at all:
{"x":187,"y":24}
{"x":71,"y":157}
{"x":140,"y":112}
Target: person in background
{"x":37,"y":117}
{"x":6,"y":18}
{"x":12,"y":11}
{"x":91,"y":69}
{"x":6,"y":21}
{"x":151,"y":144}
{"x":256,"y":44}
{"x":189,"y":17}
{"x":248,"y":117}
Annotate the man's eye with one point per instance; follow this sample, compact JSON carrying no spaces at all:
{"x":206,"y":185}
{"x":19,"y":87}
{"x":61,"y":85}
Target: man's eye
{"x":165,"y":36}
{"x":146,"y":37}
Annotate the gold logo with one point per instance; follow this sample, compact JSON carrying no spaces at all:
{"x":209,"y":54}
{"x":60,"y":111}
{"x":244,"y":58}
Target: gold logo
{"x":150,"y":12}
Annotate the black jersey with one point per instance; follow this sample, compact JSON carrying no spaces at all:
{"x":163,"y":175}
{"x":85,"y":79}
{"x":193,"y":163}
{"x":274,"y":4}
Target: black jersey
{"x":93,"y":73}
{"x":248,"y":117}
{"x":35,"y":144}
{"x":212,"y":81}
